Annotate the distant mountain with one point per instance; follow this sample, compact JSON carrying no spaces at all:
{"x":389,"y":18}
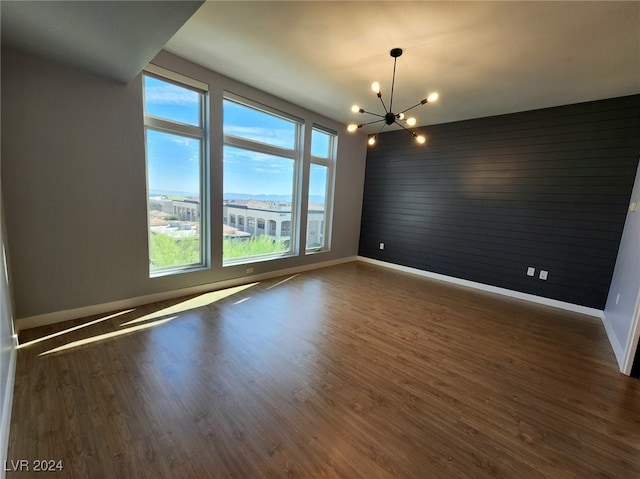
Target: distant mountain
{"x":273,"y":198}
{"x":173,"y":193}
{"x":241,"y":196}
{"x":245,"y":196}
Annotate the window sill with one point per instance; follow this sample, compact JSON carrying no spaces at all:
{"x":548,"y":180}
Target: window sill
{"x":174,"y":271}
{"x":256,"y":259}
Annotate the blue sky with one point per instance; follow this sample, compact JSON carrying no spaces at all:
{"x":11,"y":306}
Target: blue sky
{"x":174,"y":160}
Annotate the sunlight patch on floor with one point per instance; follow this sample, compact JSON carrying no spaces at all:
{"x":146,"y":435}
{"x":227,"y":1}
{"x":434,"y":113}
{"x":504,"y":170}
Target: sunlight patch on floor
{"x":150,"y":320}
{"x":197,"y":302}
{"x":75,"y":328}
{"x":102,"y":337}
{"x":280,"y":282}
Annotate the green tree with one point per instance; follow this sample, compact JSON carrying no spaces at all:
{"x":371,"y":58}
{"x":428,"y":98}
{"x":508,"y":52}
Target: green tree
{"x":168,"y":251}
{"x":256,"y":245}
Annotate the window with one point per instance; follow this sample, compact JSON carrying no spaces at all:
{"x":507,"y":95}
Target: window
{"x":321,"y":172}
{"x":262,"y":157}
{"x":175,"y":140}
{"x":265,"y":160}
{"x":272,"y":228}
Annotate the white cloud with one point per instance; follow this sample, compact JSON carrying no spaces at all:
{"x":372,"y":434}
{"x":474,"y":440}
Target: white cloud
{"x":237,"y":155}
{"x":170,"y":95}
{"x":188,"y":142}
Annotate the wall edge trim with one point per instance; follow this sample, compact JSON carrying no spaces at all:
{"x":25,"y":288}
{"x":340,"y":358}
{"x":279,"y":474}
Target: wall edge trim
{"x":630,"y":350}
{"x":618,"y":350}
{"x":7,"y":406}
{"x":65,"y":315}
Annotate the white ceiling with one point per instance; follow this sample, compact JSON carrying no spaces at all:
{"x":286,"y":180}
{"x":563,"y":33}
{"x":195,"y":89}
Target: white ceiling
{"x":112,"y":39}
{"x":484,"y":58}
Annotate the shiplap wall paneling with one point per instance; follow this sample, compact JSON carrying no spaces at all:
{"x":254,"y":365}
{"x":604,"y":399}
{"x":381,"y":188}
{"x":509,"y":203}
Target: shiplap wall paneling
{"x":488,"y":198}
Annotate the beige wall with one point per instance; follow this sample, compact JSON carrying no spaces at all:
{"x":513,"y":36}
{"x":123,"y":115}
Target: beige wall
{"x":74,"y":183}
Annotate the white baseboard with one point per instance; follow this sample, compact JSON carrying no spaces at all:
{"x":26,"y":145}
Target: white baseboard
{"x":5,"y":421}
{"x":66,"y":315}
{"x":576,"y":308}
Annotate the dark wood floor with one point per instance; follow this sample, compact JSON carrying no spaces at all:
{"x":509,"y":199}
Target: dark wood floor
{"x":352,"y":371}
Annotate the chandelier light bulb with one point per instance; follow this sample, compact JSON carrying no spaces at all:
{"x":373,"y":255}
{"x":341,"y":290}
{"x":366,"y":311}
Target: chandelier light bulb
{"x":411,"y":121}
{"x":355,"y":109}
{"x":433,"y":96}
{"x":372,"y":140}
{"x":375,"y":86}
{"x":352,"y":127}
{"x":421,"y":139}
{"x":400,"y":116}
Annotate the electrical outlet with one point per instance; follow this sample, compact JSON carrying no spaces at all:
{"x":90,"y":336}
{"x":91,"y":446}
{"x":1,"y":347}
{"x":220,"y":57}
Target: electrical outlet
{"x":531,"y":271}
{"x":543,"y":275}
{"x":381,"y":245}
{"x":249,"y":270}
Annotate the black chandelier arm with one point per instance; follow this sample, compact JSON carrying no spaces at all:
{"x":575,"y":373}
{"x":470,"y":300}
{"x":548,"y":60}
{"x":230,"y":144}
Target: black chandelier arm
{"x":422,"y":102}
{"x":381,"y":128}
{"x":371,"y":113}
{"x":406,"y":129}
{"x":379,"y":95}
{"x":369,"y":123}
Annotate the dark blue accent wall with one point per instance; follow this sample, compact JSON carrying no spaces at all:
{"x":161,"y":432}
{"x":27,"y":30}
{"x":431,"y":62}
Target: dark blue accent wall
{"x":488,"y":198}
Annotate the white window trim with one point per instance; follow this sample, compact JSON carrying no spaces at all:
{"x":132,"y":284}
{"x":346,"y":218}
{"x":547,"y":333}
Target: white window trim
{"x":174,"y":77}
{"x":295,"y":154}
{"x":200,"y":132}
{"x":330,"y":164}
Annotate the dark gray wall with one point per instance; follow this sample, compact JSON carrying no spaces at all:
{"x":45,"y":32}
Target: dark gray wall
{"x":73,"y":178}
{"x":487,"y":198}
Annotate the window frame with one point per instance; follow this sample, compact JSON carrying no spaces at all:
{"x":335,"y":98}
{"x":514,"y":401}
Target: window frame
{"x":330,"y":164}
{"x":201,"y":133}
{"x":295,"y":155}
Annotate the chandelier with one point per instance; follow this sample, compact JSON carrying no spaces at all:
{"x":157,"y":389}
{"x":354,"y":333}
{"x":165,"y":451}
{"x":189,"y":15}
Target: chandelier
{"x":389,"y":118}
